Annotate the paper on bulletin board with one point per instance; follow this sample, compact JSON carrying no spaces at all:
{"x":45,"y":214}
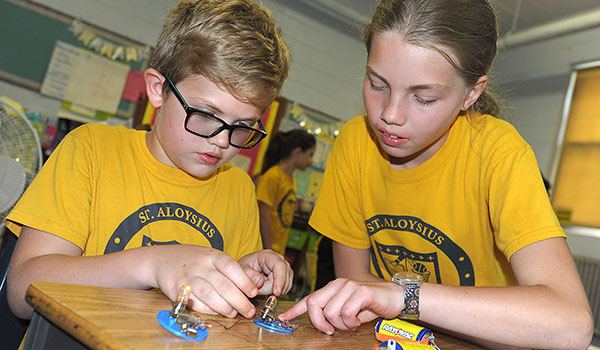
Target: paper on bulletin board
{"x":322,"y":151}
{"x":314,"y":186}
{"x":308,"y":183}
{"x":302,"y":178}
{"x":135,"y":87}
{"x":85,"y":78}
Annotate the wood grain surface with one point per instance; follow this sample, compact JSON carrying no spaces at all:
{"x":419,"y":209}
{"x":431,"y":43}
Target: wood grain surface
{"x":110,"y":318}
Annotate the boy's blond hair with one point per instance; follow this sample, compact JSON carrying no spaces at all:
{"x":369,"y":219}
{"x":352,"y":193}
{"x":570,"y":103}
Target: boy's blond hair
{"x":234,"y":43}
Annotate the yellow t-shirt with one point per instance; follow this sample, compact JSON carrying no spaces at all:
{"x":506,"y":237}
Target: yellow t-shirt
{"x":278,"y":190}
{"x":455,"y":219}
{"x":102,"y":190}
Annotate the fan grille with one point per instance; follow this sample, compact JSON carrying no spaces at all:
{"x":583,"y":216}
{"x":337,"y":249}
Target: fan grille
{"x":19,"y":141}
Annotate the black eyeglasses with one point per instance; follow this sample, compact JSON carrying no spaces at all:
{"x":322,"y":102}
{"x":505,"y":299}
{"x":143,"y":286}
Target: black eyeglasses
{"x":208,"y":125}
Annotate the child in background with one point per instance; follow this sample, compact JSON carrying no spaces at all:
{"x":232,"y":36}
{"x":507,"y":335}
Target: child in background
{"x":124,"y":208}
{"x":431,"y":188}
{"x":276,"y":188}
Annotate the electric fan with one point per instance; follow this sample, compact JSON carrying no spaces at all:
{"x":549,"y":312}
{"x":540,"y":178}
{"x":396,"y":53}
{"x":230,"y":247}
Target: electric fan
{"x":20,"y":155}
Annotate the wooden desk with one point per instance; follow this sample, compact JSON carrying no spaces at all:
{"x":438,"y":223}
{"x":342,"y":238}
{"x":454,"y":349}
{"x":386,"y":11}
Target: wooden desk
{"x":80,"y":317}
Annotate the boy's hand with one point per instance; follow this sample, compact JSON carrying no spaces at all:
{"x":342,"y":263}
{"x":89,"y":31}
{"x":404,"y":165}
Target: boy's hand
{"x":269,"y":271}
{"x":346,"y":304}
{"x":219,"y":284}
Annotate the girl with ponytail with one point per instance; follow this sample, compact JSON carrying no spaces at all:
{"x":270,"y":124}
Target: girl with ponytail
{"x":276,"y":188}
{"x":436,"y":207}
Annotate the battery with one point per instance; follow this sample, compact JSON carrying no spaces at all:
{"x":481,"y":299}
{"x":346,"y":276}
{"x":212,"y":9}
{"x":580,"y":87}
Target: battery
{"x":402,"y":331}
{"x":393,"y":345}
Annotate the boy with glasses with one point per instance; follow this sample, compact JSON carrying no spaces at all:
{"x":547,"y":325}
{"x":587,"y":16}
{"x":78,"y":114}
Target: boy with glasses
{"x":118,"y":207}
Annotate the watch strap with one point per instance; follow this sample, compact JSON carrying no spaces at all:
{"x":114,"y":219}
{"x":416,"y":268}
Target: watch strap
{"x":411,"y":302}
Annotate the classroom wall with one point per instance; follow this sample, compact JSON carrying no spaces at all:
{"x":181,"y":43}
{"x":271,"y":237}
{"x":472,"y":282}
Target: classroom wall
{"x":328,"y":66}
{"x":535,"y":77}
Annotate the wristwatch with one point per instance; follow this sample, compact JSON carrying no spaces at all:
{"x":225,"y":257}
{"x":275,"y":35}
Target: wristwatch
{"x":411,"y":284}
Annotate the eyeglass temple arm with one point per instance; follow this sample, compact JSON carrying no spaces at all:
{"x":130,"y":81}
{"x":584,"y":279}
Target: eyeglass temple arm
{"x":176,"y":92}
{"x":262,"y":127}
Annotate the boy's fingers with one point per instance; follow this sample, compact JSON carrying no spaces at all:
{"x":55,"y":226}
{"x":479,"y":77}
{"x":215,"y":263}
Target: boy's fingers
{"x":222,"y":296}
{"x":276,"y":268}
{"x":282,"y":276}
{"x":289,"y":282}
{"x":226,"y":288}
{"x":198,"y":306}
{"x":257,"y":278}
{"x":236,"y":274}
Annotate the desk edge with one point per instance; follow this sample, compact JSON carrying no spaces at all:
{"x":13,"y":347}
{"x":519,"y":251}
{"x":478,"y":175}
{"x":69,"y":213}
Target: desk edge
{"x":70,"y":322}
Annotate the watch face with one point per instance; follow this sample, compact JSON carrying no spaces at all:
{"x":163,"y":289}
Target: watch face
{"x":407,"y":277}
{"x":410,"y":283}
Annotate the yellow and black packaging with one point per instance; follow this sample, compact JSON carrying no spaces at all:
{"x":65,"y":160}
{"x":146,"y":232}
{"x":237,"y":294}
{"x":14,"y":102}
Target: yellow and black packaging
{"x":391,"y":344}
{"x":402,"y":331}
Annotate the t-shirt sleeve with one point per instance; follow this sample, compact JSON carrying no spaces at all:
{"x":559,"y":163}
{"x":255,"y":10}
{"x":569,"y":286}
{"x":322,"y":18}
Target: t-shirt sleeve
{"x":266,"y":189}
{"x":516,"y":183}
{"x":338,"y":213}
{"x":58,"y":199}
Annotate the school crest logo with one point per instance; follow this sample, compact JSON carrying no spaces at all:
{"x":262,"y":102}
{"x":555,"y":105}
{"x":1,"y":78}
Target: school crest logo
{"x":398,"y":258}
{"x":161,"y":212}
{"x":286,"y":209}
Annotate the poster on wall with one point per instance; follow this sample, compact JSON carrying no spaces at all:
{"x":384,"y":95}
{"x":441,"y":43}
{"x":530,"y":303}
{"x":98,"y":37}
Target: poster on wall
{"x":84,"y":78}
{"x":250,"y":160}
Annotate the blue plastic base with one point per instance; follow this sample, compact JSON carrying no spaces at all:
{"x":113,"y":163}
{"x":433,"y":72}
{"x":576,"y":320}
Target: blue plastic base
{"x":390,"y":344}
{"x":271,"y":326}
{"x":168,"y":323}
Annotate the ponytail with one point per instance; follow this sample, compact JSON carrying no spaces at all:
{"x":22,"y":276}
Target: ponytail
{"x":488,"y":103}
{"x":282,"y":144}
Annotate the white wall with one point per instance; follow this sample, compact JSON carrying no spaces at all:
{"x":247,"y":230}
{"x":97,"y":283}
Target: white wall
{"x":327,"y":67}
{"x":139,"y":20}
{"x":535,"y":78}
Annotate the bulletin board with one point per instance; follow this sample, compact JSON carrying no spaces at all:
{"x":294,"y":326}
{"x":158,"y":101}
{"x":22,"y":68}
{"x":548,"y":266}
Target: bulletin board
{"x":250,"y":160}
{"x":29,"y":35}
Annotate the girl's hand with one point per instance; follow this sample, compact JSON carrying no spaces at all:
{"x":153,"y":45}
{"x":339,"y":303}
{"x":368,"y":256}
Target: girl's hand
{"x":345,"y":304}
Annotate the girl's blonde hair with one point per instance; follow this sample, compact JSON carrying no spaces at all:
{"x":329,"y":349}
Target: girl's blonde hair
{"x":463,"y":31}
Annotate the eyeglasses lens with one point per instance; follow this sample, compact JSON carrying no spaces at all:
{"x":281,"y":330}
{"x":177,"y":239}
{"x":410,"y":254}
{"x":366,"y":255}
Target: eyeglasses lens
{"x":207,"y":126}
